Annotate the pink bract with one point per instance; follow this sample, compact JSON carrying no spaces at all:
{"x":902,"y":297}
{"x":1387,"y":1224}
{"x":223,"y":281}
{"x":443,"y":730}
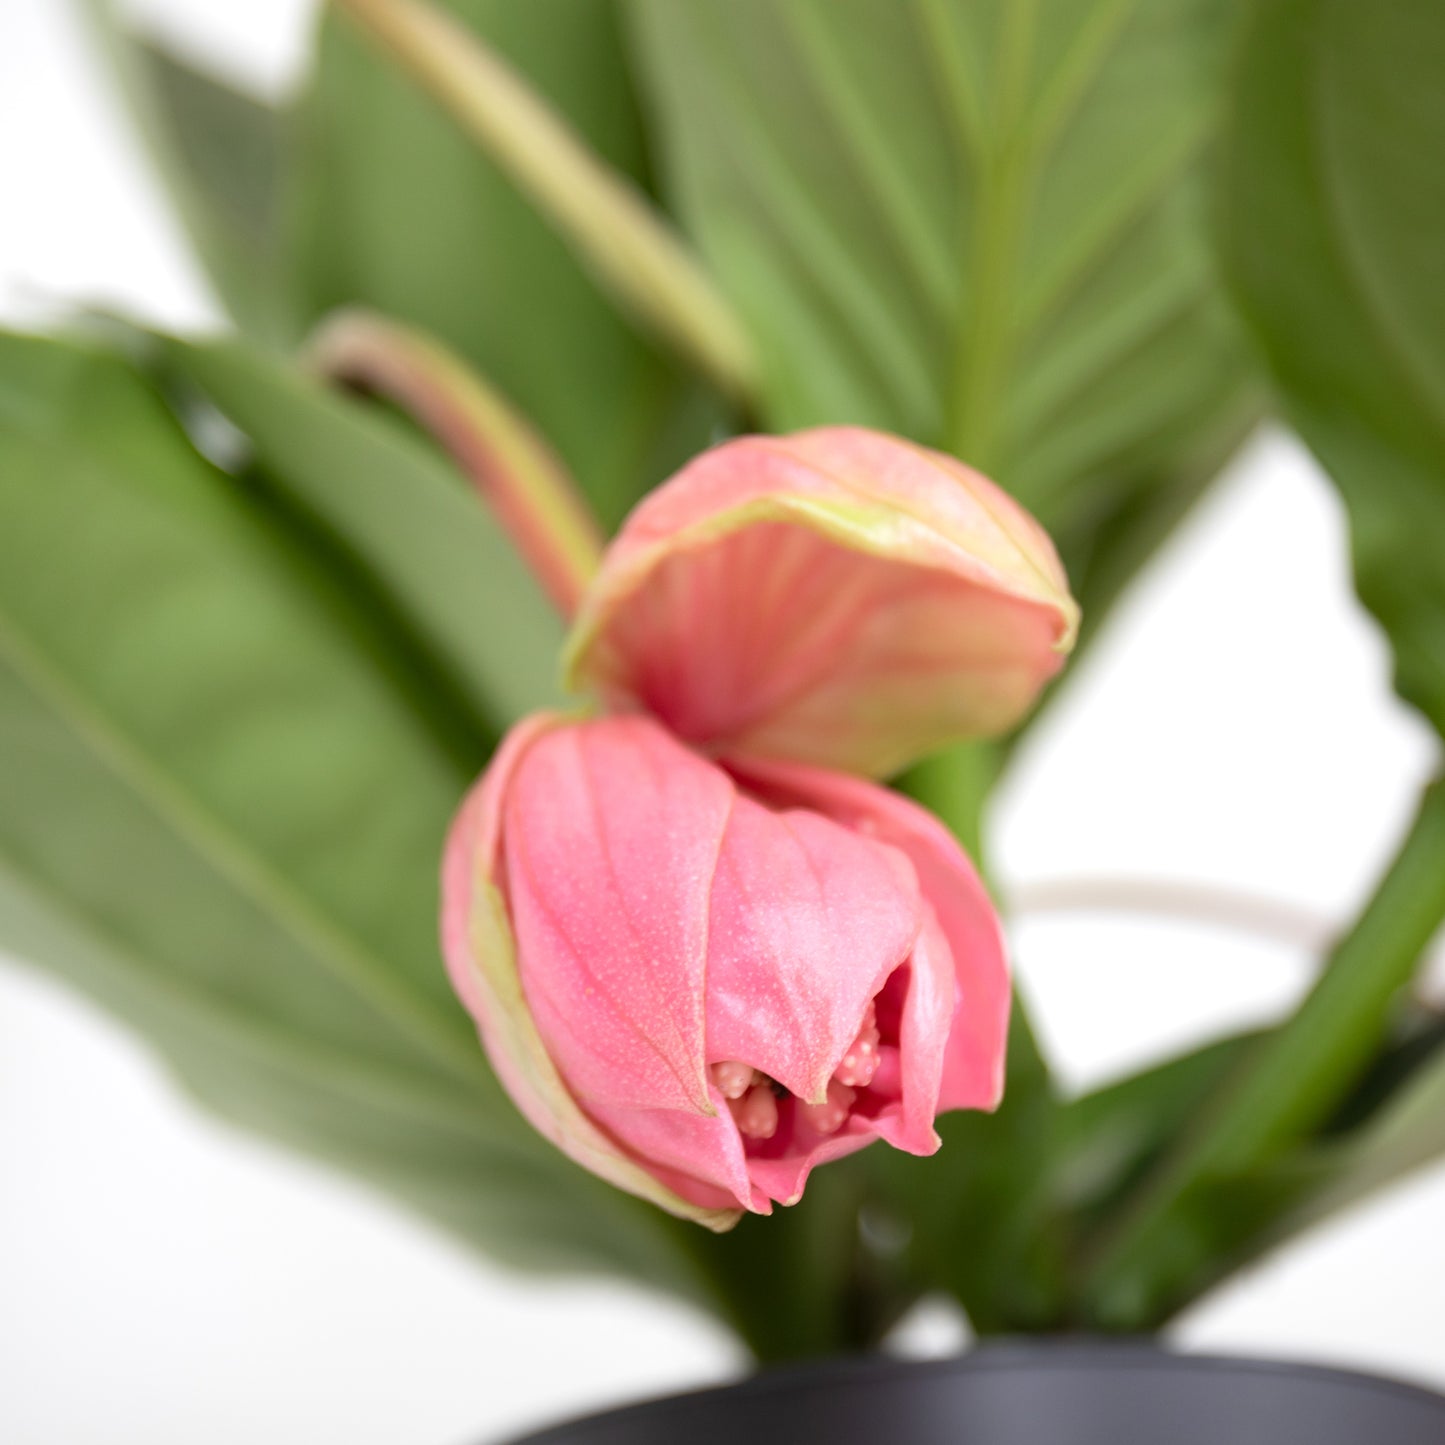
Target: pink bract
{"x":700,"y":979}
{"x":836,"y":597}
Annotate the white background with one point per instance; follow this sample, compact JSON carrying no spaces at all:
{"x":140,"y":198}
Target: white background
{"x":164,"y":1280}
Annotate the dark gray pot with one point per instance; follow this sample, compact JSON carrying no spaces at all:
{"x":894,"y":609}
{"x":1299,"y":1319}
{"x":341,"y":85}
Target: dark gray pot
{"x":1032,"y":1393}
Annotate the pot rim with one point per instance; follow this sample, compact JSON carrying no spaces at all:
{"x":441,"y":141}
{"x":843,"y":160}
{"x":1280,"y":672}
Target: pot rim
{"x":1000,"y":1354}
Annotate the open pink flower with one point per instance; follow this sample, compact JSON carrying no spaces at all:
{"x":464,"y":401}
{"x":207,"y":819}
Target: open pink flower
{"x":838,"y":597}
{"x":700,"y":979}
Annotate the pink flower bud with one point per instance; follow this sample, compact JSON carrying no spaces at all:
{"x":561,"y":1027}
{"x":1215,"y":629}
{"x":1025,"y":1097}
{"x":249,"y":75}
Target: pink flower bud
{"x":838,"y":597}
{"x":701,"y":981}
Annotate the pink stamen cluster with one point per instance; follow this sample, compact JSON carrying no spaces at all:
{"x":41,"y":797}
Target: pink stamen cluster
{"x":860,"y":1063}
{"x":753,"y":1097}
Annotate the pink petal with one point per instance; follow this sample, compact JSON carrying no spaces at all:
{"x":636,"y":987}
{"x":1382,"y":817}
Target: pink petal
{"x":837,"y":596}
{"x":974,"y":1058}
{"x":808,"y":921}
{"x":699,"y":1157}
{"x":783,"y":1178}
{"x":613,"y":832}
{"x":911,"y":1072}
{"x":470,"y":859}
{"x":481,"y":959}
{"x":928,"y":1013}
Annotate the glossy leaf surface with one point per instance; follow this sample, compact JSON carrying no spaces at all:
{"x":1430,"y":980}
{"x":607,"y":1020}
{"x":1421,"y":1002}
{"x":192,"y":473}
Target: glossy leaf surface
{"x":1333,"y":208}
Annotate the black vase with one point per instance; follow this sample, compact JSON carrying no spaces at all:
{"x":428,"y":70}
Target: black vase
{"x":1032,"y":1393}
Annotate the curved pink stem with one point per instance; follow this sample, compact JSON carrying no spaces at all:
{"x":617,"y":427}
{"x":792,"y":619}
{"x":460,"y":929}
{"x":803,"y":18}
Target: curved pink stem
{"x":521,"y":478}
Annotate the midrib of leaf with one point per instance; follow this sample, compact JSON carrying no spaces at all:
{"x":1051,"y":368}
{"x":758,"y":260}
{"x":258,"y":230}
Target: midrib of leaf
{"x":921,"y":246}
{"x":990,"y":339}
{"x":1053,"y":288}
{"x":1081,"y":67}
{"x":1098,"y":434}
{"x":898,"y":371}
{"x":1068,"y":369}
{"x":984,"y":342}
{"x":230,"y":857}
{"x":957,"y":81}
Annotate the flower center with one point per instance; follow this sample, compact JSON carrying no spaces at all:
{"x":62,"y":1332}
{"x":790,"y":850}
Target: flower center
{"x":753,"y":1097}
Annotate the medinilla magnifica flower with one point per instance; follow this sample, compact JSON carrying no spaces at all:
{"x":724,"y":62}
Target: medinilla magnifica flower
{"x":838,"y":596}
{"x":701,"y":980}
{"x":701,"y":962}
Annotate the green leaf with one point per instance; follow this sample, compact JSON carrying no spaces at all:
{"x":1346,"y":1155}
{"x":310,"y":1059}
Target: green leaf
{"x":396,"y":210}
{"x":1114,"y":1135}
{"x":1237,"y":1214}
{"x":978,"y":1217}
{"x":1230,"y":1174}
{"x":1333,"y":231}
{"x":220,"y":154}
{"x":220,"y":816}
{"x":611,"y":226}
{"x":1406,"y":1133}
{"x":802,"y":1283}
{"x":979,"y":225}
{"x":1391,"y":1126}
{"x":421,"y":536}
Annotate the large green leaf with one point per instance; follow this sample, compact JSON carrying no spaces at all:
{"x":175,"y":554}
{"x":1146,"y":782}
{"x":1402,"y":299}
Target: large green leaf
{"x":978,"y":224}
{"x":1333,"y":231}
{"x":421,"y":536}
{"x":220,"y":815}
{"x":398,"y":211}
